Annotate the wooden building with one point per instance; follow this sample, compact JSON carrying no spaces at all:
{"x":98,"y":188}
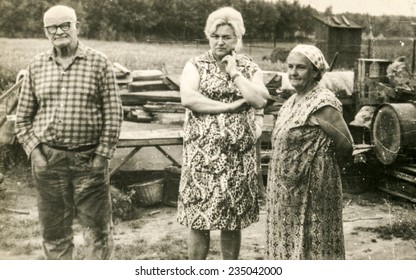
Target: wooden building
{"x":337,"y":34}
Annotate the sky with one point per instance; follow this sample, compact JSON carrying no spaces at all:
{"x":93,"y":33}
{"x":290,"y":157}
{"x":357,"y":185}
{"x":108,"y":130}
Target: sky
{"x":372,"y":7}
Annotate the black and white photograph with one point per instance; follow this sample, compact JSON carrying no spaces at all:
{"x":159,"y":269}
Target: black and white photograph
{"x":208,"y":130}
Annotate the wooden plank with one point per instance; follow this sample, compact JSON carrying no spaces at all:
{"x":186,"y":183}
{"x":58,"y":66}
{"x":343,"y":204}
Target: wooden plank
{"x":125,"y":143}
{"x":127,"y":158}
{"x":140,"y":98}
{"x":147,"y":75}
{"x":121,"y":68}
{"x":400,"y":188}
{"x":11,"y":90}
{"x":175,"y":163}
{"x":174,"y":132}
{"x":173,"y":81}
{"x":410,"y":169}
{"x":404,"y":176}
{"x":167,"y":107}
{"x":139,"y":115}
{"x":148,"y":86}
{"x":124,"y":80}
{"x":169,"y":118}
{"x":398,"y":194}
{"x":149,"y":137}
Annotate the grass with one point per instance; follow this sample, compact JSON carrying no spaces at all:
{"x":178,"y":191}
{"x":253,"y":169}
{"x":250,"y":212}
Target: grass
{"x":17,"y":53}
{"x":168,"y":57}
{"x":402,"y":225}
{"x":20,"y":234}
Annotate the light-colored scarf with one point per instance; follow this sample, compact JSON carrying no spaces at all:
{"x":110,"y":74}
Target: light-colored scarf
{"x":314,"y":55}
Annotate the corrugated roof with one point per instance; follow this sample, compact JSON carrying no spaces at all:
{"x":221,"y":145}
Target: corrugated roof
{"x":339,"y":21}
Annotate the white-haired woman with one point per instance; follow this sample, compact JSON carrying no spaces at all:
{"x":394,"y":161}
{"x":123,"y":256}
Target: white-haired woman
{"x":304,"y":195}
{"x":222,"y":91}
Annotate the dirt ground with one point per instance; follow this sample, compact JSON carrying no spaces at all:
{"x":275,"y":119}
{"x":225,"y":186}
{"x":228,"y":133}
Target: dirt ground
{"x":376,"y":226}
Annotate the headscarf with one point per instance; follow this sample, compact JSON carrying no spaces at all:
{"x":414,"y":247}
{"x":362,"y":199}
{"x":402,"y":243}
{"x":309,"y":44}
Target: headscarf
{"x":314,"y":55}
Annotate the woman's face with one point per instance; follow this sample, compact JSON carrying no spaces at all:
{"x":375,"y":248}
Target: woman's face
{"x":300,"y":71}
{"x":223,"y":41}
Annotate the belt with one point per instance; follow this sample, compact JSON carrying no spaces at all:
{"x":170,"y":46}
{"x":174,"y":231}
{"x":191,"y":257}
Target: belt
{"x":73,"y":148}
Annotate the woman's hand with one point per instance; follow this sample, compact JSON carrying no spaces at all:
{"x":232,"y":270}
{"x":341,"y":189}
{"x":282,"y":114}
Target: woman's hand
{"x":193,"y":100}
{"x":230,"y":63}
{"x":253,"y":90}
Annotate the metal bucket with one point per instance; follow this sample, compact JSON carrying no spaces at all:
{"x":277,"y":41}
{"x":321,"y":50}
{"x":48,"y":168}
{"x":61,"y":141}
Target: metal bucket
{"x":394,"y":132}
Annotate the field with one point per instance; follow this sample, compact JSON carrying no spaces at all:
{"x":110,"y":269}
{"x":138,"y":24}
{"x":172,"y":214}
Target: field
{"x":168,"y":57}
{"x":376,"y":225}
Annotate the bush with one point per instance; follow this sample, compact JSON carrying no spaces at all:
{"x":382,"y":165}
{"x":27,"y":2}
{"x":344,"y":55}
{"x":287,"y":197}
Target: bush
{"x":7,"y":78}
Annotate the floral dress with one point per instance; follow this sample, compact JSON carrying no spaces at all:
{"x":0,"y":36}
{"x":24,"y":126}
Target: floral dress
{"x":218,"y":187}
{"x":304,"y":195}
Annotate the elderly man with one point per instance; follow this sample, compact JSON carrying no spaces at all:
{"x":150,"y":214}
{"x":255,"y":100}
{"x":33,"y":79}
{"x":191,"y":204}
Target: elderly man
{"x":68,"y":121}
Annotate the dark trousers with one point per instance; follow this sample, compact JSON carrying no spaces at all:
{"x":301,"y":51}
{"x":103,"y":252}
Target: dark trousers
{"x":69,"y":187}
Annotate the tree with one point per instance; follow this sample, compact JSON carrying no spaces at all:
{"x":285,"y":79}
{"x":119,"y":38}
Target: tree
{"x":181,"y":19}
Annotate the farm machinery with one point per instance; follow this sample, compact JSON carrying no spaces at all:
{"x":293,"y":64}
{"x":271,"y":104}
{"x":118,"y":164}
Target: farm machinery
{"x":383,"y":104}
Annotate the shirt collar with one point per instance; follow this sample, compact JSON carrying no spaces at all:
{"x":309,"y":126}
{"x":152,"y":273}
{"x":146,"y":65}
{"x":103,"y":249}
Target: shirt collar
{"x":80,"y":52}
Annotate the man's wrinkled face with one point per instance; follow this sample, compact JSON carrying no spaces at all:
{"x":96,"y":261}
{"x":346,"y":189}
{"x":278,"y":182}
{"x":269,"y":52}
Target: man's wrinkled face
{"x":61,"y":26}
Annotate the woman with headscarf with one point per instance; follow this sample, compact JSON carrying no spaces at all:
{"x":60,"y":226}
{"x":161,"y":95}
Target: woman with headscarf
{"x":304,"y":192}
{"x":222,"y":91}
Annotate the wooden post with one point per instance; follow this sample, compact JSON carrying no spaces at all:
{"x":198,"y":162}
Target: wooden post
{"x":369,"y":47}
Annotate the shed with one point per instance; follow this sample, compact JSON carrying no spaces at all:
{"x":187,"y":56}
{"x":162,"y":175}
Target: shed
{"x":338,"y":34}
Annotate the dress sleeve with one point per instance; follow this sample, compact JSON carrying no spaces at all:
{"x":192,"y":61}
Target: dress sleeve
{"x":324,"y":98}
{"x":247,"y":66}
{"x":321,"y":97}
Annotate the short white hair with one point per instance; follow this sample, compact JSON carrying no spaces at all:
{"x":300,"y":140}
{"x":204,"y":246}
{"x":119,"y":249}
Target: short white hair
{"x":226,"y":16}
{"x":59,"y":14}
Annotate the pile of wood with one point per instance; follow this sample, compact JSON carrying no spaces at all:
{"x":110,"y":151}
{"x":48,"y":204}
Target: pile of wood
{"x":149,"y":96}
{"x":403,"y":183}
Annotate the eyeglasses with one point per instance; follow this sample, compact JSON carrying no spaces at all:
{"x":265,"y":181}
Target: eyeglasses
{"x":225,"y":38}
{"x":52,"y":29}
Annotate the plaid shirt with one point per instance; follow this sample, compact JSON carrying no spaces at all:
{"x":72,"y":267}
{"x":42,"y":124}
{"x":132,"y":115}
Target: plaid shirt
{"x":71,"y":107}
